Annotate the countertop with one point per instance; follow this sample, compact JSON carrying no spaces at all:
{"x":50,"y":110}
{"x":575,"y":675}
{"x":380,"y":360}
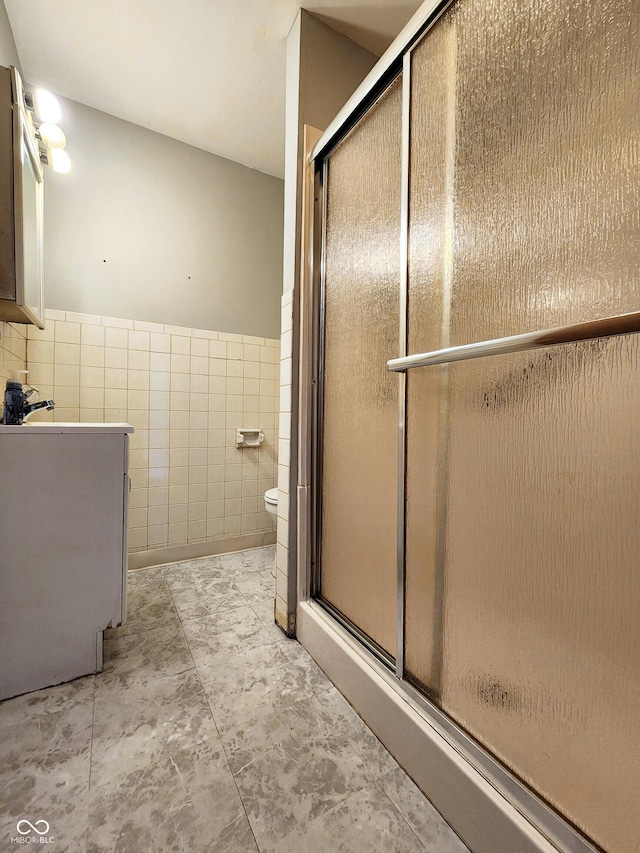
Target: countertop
{"x":61,"y":428}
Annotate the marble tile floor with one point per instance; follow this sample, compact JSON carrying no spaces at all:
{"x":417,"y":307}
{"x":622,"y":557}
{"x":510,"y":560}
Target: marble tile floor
{"x":208,"y":730}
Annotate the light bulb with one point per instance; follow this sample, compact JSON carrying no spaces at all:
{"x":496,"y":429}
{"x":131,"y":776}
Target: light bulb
{"x":46,"y":106}
{"x":52,"y":136}
{"x":60,"y":161}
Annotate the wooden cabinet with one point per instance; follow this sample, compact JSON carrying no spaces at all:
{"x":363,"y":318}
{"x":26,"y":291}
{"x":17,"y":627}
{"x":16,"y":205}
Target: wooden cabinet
{"x":21,"y":208}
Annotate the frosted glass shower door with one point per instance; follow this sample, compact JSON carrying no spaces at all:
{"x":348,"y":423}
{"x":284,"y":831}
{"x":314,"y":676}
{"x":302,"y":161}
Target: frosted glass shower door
{"x":523,"y":504}
{"x":360,"y":399}
{"x":510,"y":152}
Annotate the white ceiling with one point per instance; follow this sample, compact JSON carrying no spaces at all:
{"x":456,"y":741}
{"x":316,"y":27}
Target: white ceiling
{"x":208,"y":72}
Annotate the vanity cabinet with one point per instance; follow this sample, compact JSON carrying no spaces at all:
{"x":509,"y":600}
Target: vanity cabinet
{"x":21,"y":208}
{"x":63,"y":549}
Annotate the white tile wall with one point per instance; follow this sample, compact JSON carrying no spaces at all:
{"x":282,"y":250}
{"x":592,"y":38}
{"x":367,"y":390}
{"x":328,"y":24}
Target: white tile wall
{"x":284,"y":444}
{"x":13,"y":353}
{"x":185,"y":391}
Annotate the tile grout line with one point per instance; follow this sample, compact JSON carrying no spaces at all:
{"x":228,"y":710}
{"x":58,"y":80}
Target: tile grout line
{"x":233,"y":776}
{"x":213,"y":718}
{"x":93,"y":725}
{"x":235,"y":783}
{"x":397,"y":810}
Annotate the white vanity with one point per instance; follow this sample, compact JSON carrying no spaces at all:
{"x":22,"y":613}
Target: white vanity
{"x":63,"y":549}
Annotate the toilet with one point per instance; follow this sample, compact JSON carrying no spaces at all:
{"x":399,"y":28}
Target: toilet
{"x":271,"y":501}
{"x":271,"y":505}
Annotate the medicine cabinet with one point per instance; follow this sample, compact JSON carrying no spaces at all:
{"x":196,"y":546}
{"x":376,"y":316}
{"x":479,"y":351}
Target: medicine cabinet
{"x":21,"y":208}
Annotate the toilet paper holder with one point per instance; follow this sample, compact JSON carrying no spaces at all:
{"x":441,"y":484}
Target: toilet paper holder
{"x":249,"y":437}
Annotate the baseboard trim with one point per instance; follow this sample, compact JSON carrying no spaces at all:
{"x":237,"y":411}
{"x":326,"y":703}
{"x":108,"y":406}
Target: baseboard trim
{"x":179,"y":553}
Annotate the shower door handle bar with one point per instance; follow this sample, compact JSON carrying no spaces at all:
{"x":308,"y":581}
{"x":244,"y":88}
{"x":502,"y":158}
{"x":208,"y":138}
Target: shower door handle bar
{"x":621,"y":324}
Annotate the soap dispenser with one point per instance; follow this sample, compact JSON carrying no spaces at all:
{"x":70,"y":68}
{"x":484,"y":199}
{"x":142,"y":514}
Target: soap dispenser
{"x":14,"y":403}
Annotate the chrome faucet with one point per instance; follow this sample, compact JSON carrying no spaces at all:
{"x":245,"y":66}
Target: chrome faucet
{"x":35,"y":407}
{"x":16,"y":408}
{"x":28,"y":410}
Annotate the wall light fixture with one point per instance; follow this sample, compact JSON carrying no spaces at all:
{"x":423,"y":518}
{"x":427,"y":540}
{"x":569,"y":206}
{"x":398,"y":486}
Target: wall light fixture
{"x":46,"y":112}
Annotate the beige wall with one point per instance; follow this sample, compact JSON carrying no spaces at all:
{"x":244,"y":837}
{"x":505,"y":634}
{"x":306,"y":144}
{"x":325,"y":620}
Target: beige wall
{"x":8,"y":52}
{"x":147,"y":228}
{"x":324,"y":68}
{"x":185,"y":391}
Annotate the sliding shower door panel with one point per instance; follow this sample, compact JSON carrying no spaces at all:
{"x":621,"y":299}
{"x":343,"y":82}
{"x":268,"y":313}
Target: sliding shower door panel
{"x":359,"y":464}
{"x":522,"y":470}
{"x":541,"y":627}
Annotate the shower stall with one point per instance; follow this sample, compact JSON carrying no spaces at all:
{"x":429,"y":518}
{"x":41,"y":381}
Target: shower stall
{"x":473,"y":482}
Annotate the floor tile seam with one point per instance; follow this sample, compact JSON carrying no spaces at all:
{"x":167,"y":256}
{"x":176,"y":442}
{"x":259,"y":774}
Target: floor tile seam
{"x":260,"y":601}
{"x":211,"y":711}
{"x":221,"y":609}
{"x":146,"y":570}
{"x":266,"y":597}
{"x":195,"y":666}
{"x":182,"y":618}
{"x":316,"y":740}
{"x":93,"y":728}
{"x":421,"y":793}
{"x":228,"y":648}
{"x":325,"y":814}
{"x":370,"y":786}
{"x":189,"y":669}
{"x":283,"y":692}
{"x":317,"y":690}
{"x":252,"y":570}
{"x":162,"y":567}
{"x":290,"y":649}
{"x":351,"y":739}
{"x":226,"y":755}
{"x":313,"y":739}
{"x":212,"y":613}
{"x":211,"y":557}
{"x":213,"y":717}
{"x":175,"y":607}
{"x":198,"y":575}
{"x":260,"y":619}
{"x":129,"y":683}
{"x":395,"y":808}
{"x":151,"y":581}
{"x":355,"y":753}
{"x":136,"y":631}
